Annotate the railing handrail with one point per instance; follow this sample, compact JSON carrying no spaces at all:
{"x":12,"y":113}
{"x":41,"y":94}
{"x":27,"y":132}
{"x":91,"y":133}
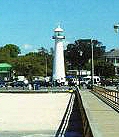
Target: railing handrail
{"x":110,"y":97}
{"x":86,"y":126}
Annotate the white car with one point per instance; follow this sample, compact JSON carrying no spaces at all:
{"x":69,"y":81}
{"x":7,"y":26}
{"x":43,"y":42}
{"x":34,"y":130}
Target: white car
{"x":95,"y":78}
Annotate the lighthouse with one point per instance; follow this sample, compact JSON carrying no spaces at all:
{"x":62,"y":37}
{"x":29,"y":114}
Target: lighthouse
{"x":58,"y":62}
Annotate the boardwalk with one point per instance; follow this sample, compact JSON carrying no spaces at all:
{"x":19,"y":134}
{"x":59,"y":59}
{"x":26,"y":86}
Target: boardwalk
{"x":31,"y":115}
{"x":104,"y":121}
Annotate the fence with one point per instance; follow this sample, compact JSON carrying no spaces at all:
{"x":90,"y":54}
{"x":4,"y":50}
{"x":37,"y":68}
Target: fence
{"x":110,"y":97}
{"x":87,"y":132}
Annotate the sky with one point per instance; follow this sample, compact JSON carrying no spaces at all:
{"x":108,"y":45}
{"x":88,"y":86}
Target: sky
{"x":29,"y":24}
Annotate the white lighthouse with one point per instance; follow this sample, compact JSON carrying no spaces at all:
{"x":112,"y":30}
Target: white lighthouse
{"x":58,"y":62}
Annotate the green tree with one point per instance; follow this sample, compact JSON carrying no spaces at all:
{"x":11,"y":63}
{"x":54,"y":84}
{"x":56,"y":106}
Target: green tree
{"x":12,"y":50}
{"x":105,"y":69}
{"x":72,"y":52}
{"x":31,"y":64}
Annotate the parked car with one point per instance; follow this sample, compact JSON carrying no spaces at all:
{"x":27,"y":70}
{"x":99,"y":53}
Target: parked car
{"x":96,"y":79}
{"x":17,"y":84}
{"x":35,"y":84}
{"x":117,"y":87}
{"x":116,"y":83}
{"x":2,"y":83}
{"x":105,"y":82}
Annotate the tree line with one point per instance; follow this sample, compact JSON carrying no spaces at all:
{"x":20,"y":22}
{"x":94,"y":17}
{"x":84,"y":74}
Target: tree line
{"x":74,"y":60}
{"x":31,"y":64}
{"x":40,"y":63}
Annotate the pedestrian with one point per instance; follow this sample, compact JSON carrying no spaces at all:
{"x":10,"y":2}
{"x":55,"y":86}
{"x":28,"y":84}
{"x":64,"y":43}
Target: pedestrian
{"x":30,"y":86}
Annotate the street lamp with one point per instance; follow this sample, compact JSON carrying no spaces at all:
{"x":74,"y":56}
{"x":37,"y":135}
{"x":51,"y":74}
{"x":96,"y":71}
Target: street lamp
{"x":46,"y":66}
{"x":92,"y":64}
{"x":92,"y":61}
{"x":116,"y":27}
{"x":90,"y":42}
{"x":80,"y":54}
{"x":69,"y":62}
{"x":46,"y":63}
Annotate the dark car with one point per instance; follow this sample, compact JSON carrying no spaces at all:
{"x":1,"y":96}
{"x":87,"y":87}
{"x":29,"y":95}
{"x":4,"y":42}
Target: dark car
{"x":116,"y":83}
{"x":105,"y":82}
{"x":36,"y":84}
{"x":2,"y":83}
{"x":117,"y":87}
{"x":17,"y":84}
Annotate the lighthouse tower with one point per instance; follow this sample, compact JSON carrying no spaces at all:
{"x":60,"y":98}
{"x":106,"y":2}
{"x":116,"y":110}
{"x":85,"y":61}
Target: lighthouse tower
{"x":58,"y":62}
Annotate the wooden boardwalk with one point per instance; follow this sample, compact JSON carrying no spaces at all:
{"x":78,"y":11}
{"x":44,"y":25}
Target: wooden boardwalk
{"x":103,"y":120}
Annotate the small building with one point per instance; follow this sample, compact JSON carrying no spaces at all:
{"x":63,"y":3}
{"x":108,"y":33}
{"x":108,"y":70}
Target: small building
{"x":113,"y":57}
{"x":75,"y":73}
{"x":5,"y":70}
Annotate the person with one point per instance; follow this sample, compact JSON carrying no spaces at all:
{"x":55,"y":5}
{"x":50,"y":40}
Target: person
{"x":30,"y":86}
{"x":26,"y":82}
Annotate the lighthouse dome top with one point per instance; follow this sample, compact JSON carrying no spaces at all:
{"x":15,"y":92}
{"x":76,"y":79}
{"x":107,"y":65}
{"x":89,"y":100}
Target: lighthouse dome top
{"x":58,"y":29}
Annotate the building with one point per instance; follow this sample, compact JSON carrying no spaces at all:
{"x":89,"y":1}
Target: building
{"x":75,"y":73}
{"x":5,"y":70}
{"x":113,"y":57}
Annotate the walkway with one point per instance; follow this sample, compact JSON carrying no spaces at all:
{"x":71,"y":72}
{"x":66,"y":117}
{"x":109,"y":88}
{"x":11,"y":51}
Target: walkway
{"x":104,"y":121}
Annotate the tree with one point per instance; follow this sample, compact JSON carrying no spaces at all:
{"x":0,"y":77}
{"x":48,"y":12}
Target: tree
{"x":4,"y":55}
{"x":72,"y":52}
{"x":73,"y":58}
{"x":33,"y":64}
{"x":105,"y":69}
{"x":12,"y":50}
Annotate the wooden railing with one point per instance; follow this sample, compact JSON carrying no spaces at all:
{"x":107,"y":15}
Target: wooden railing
{"x":87,"y":132}
{"x":110,"y":97}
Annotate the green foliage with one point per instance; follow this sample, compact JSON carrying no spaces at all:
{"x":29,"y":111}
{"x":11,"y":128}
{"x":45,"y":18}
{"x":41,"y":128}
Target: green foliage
{"x":31,"y":64}
{"x":12,"y":50}
{"x":38,"y":64}
{"x":73,"y":57}
{"x":105,"y":69}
